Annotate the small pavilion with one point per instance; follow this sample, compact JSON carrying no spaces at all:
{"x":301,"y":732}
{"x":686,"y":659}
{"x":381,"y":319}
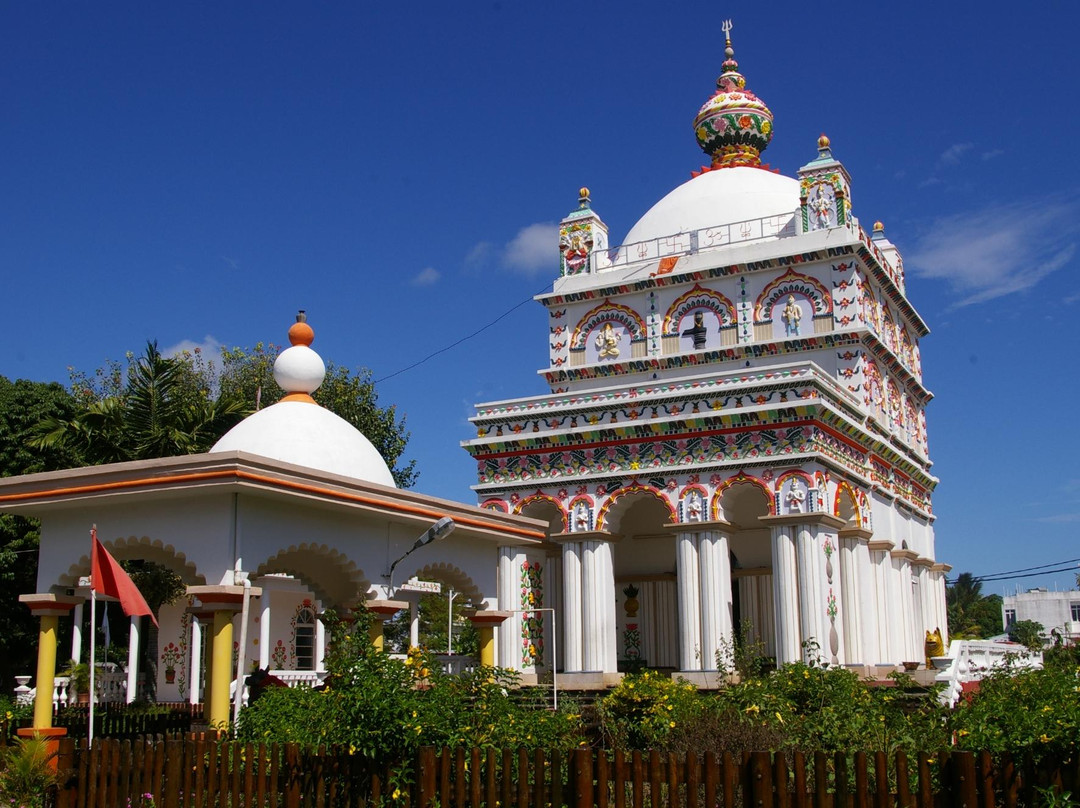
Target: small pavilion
{"x":292,"y":512}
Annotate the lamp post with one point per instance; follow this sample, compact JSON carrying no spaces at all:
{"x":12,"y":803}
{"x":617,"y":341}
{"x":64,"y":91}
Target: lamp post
{"x":439,"y":530}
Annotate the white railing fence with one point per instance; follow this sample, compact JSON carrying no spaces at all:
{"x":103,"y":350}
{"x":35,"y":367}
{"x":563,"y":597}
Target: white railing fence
{"x":970,"y":660}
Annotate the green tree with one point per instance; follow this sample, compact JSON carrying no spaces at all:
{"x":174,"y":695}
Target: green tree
{"x":1028,"y":633}
{"x":163,"y":407}
{"x":22,"y":403}
{"x":433,"y":618}
{"x":971,"y":615}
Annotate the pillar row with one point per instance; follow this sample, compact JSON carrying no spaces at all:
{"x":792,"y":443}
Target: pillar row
{"x":703,"y":566}
{"x":588,"y":603}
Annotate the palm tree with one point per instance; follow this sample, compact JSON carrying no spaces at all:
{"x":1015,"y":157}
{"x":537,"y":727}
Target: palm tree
{"x":970,"y":614}
{"x":163,"y":411}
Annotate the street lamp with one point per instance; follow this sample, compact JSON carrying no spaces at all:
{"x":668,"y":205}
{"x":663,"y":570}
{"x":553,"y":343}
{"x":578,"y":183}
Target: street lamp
{"x":439,"y":530}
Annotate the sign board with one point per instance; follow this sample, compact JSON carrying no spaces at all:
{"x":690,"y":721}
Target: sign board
{"x":427,"y":587}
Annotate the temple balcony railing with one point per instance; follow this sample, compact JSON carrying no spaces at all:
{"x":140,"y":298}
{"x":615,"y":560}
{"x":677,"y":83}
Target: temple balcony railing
{"x":971,"y":660}
{"x":707,"y":238}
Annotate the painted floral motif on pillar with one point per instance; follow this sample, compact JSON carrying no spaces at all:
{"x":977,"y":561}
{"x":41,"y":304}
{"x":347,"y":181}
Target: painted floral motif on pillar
{"x":532,"y":623}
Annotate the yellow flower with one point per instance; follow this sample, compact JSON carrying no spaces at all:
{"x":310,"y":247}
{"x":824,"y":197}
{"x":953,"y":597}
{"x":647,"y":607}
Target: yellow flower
{"x":397,"y":794}
{"x":1044,"y":738}
{"x":753,"y":708}
{"x":779,"y":717}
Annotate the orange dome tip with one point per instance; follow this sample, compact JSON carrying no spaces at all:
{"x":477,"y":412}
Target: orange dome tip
{"x":879,"y":227}
{"x":300,"y":333}
{"x":823,"y":141}
{"x":304,"y":397}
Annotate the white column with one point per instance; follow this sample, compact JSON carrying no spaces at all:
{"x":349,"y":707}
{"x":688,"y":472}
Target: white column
{"x":868,"y":642}
{"x":320,"y":645}
{"x":715,"y":566}
{"x":414,"y":622}
{"x":133,"y":660}
{"x":195,"y":696}
{"x":810,"y":600}
{"x":264,"y":629}
{"x":785,"y":595}
{"x":688,"y":572}
{"x":598,"y":607}
{"x":571,"y":614}
{"x":76,"y":633}
{"x":507,"y":635}
{"x":849,"y":599}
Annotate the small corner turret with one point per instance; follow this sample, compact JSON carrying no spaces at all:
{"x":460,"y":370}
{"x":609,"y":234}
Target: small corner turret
{"x":824,"y":192}
{"x":581,"y":234}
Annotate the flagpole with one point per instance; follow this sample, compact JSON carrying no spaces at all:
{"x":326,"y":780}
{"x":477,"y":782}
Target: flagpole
{"x":93,"y":635}
{"x":93,"y":643}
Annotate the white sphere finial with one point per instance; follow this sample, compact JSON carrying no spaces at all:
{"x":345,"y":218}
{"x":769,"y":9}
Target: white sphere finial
{"x":299,"y":370}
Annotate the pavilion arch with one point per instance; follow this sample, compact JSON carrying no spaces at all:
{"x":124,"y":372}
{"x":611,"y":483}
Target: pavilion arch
{"x":698,"y":298}
{"x":792,"y":283}
{"x":636,"y":505}
{"x":542,"y":506}
{"x":141,"y":548}
{"x":846,"y":505}
{"x":329,"y":574}
{"x":742,"y":499}
{"x":451,"y":576}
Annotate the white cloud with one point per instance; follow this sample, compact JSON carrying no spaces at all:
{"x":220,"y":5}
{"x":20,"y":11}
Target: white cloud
{"x":479,"y":255}
{"x":951,"y":156}
{"x":1061,"y":518}
{"x":210,"y":348}
{"x":990,"y":155}
{"x":533,"y":250}
{"x":426,"y":277}
{"x":996,"y":251}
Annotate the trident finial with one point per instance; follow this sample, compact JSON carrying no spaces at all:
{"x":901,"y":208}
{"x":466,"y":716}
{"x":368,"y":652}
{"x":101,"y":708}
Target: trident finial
{"x":725,"y":26}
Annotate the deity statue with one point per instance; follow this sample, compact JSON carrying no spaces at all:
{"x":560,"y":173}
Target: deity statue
{"x":581,"y":517}
{"x":821,"y":205}
{"x":607,"y":341}
{"x":693,"y":507}
{"x":796,"y":498}
{"x":791,"y":316}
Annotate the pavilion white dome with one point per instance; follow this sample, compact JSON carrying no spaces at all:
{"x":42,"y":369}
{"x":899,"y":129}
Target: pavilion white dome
{"x":297,"y":430}
{"x":718,"y":197}
{"x":306,"y":434}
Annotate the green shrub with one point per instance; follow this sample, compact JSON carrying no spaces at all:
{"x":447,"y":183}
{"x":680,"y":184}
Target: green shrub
{"x":27,"y":772}
{"x":1031,"y":714}
{"x":643,"y":710}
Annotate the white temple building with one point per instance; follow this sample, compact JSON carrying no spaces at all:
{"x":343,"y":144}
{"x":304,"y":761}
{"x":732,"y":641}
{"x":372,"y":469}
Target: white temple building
{"x":735,"y":430}
{"x":734,"y":435}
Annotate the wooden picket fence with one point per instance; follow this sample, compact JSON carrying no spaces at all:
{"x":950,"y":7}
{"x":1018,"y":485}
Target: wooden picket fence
{"x":203,"y":772}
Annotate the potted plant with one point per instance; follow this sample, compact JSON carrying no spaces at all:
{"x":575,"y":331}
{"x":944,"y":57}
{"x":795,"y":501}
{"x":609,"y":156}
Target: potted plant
{"x":78,"y":674}
{"x":631,"y":604}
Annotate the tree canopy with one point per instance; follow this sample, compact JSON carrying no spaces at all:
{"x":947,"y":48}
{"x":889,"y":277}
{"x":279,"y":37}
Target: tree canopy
{"x":971,"y":615}
{"x":156,"y":406}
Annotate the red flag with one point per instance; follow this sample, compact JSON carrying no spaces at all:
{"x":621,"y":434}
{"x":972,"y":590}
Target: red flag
{"x":109,"y":578}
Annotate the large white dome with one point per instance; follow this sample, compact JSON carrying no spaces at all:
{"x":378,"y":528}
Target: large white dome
{"x":306,"y":434}
{"x":718,"y":197}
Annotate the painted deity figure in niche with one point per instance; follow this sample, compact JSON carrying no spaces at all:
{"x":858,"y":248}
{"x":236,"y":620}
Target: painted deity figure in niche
{"x":796,"y":498}
{"x":576,"y":248}
{"x":791,"y":316}
{"x":693,"y":506}
{"x":821,"y":205}
{"x":607,"y":341}
{"x":581,"y":517}
{"x":698,"y":332}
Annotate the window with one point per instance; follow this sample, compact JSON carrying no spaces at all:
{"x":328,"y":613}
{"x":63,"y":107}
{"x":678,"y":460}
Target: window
{"x":305,"y":640}
{"x":1010,"y":617}
{"x":1075,"y":608}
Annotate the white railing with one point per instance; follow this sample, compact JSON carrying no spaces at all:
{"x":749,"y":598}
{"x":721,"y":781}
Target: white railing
{"x":782,"y":226}
{"x":111,"y":687}
{"x":970,"y":660}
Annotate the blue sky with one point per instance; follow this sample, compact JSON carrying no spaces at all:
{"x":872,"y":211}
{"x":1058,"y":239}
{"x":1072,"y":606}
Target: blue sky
{"x":196,"y":172}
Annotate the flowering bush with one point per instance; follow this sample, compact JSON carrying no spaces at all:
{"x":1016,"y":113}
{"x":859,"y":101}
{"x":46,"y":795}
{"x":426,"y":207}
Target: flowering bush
{"x":642,"y":711}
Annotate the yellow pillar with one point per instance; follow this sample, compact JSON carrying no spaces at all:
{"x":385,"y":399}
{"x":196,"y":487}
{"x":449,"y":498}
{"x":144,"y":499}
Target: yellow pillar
{"x":221,"y":672}
{"x":381,"y":610}
{"x":46,"y":671}
{"x":47,"y":608}
{"x":375,"y":634}
{"x":485,"y":621}
{"x":487,"y":646}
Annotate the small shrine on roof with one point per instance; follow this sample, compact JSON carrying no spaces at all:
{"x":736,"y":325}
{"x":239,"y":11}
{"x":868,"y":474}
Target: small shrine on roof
{"x":734,"y":436}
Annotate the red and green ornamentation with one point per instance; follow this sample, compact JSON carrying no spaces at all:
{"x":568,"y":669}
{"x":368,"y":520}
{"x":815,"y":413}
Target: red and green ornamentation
{"x":532,"y":624}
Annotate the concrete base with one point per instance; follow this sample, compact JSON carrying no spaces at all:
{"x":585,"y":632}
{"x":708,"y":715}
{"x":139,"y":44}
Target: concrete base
{"x":588,"y":680}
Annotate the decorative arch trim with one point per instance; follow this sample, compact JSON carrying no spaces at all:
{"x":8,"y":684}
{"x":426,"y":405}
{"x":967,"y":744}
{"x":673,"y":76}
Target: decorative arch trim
{"x":291,"y":562}
{"x":605,"y":312}
{"x":131,"y":547}
{"x":633,"y":488}
{"x":844,"y":488}
{"x":792,"y":282}
{"x":537,"y":498}
{"x":452,"y":575}
{"x":495,"y":504}
{"x":698,"y":298}
{"x":741,"y":477}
